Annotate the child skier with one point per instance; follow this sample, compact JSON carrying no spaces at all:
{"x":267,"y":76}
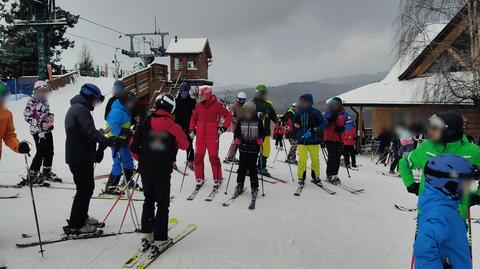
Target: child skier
{"x":349,"y":139}
{"x":445,"y":135}
{"x":205,"y":125}
{"x":278,"y":132}
{"x":248,"y":136}
{"x":37,"y":114}
{"x":155,"y":145}
{"x":118,"y":124}
{"x":7,"y":130}
{"x":117,"y":89}
{"x":236,"y":110}
{"x":309,"y":124}
{"x":290,"y":134}
{"x":441,"y":240}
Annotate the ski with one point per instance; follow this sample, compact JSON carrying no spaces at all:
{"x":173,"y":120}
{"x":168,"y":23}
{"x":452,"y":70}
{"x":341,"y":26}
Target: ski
{"x":150,"y":259}
{"x":172,"y":222}
{"x":101,"y":177}
{"x":104,"y":196}
{"x":10,"y":196}
{"x":64,"y":238}
{"x":232,"y":199}
{"x":265,"y":179}
{"x":327,"y":190}
{"x":347,"y":188}
{"x":192,"y":196}
{"x":406,"y":209}
{"x":299,"y":190}
{"x":212,"y":194}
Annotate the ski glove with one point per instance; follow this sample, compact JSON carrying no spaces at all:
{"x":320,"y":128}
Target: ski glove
{"x":23,"y":148}
{"x":221,"y":130}
{"x":474,"y":199}
{"x":192,"y":134}
{"x":413,"y":188}
{"x":237,"y":141}
{"x":99,"y":155}
{"x":260,"y":141}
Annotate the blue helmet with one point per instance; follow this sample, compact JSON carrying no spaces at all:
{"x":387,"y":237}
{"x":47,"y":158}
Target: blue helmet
{"x":92,"y":91}
{"x":447,"y":172}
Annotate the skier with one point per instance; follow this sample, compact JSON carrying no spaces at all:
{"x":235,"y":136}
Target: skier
{"x":248,"y":136}
{"x":349,"y":140}
{"x":183,"y":113}
{"x":155,"y":145}
{"x":444,"y":135}
{"x":441,"y":240}
{"x":117,"y":89}
{"x":7,"y":129}
{"x":405,"y":144}
{"x":118,"y":124}
{"x":337,"y":118}
{"x":309,"y":124}
{"x":278,"y":133}
{"x":81,"y":153}
{"x":385,"y":138}
{"x":236,"y":110}
{"x":290,"y":134}
{"x":205,"y":125}
{"x":37,"y":114}
{"x":266,"y":114}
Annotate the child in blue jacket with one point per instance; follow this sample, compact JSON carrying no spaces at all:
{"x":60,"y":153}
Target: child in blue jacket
{"x":441,"y":240}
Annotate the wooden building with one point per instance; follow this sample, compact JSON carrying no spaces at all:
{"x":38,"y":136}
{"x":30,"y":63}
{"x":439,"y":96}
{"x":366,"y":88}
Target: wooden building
{"x":189,"y":60}
{"x":401,"y":94}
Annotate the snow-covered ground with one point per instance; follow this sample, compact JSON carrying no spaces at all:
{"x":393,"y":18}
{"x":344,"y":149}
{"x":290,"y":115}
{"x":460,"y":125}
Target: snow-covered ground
{"x":315,"y":230}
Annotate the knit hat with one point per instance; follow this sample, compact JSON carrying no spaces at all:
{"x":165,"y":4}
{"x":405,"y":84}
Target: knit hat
{"x":307,"y":97}
{"x":261,"y":89}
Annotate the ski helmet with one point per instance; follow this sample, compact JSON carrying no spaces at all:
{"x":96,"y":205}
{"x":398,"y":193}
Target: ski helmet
{"x":3,"y":90}
{"x":205,"y":90}
{"x":261,"y":89}
{"x":90,"y":90}
{"x":249,"y":107}
{"x":446,"y":173}
{"x":40,"y":85}
{"x":241,"y":97}
{"x":450,"y":122}
{"x":294,"y":105}
{"x":126,"y":97}
{"x":335,"y":101}
{"x":118,"y":87}
{"x":184,"y":90}
{"x":165,"y":101}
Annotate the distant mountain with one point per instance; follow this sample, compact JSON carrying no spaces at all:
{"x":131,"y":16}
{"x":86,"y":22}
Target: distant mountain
{"x":283,"y":95}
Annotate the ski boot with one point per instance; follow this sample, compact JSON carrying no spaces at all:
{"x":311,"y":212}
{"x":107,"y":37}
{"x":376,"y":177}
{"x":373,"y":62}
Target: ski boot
{"x":254,"y":193}
{"x":86,"y":229}
{"x":238,"y":190}
{"x":200,"y":183}
{"x":92,"y":221}
{"x":218,"y":183}
{"x":50,"y":176}
{"x":317,"y":181}
{"x":264,"y":172}
{"x":335,"y":180}
{"x":112,"y":183}
{"x":158,"y":246}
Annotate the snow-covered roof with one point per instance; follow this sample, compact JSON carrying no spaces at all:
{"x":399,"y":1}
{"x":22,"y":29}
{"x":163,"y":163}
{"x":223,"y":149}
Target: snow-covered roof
{"x":187,"y":45}
{"x":392,"y":91}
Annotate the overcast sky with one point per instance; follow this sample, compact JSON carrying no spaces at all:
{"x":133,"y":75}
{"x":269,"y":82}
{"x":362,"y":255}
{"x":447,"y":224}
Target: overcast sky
{"x":253,"y":41}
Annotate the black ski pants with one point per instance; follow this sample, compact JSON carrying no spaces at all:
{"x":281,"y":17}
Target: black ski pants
{"x":334,"y":150}
{"x":156,"y":191}
{"x":83,"y":178}
{"x":248,"y":163}
{"x":44,"y":154}
{"x":349,"y":153}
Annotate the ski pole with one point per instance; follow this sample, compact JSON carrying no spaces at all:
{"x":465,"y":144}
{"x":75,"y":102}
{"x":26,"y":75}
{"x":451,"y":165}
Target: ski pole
{"x":286,"y":153}
{"x":34,"y":207}
{"x":230,"y":175}
{"x":185,"y":170}
{"x":130,"y":198}
{"x":261,"y":168}
{"x":276,"y":155}
{"x":133,"y":211}
{"x":114,"y":204}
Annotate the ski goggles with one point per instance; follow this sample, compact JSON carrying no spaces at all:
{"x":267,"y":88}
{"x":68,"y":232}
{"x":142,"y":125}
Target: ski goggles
{"x":184,"y":94}
{"x":437,"y":123}
{"x":242,"y":100}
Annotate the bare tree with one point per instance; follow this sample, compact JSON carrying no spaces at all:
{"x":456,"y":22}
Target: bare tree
{"x":455,"y":75}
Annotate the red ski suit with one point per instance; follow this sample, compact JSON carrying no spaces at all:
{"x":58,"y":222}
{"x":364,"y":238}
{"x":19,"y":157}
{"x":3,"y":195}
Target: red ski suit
{"x":205,"y":121}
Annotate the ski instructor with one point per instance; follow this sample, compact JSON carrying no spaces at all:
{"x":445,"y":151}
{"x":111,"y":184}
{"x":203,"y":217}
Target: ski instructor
{"x":81,"y":153}
{"x":205,"y":126}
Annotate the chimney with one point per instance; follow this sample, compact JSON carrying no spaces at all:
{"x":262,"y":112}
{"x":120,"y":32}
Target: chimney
{"x":176,"y":39}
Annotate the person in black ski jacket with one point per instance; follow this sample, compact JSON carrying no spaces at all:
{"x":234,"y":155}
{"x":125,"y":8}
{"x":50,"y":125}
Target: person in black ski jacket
{"x":248,"y":135}
{"x":183,"y":113}
{"x":155,"y":145}
{"x":81,"y":153}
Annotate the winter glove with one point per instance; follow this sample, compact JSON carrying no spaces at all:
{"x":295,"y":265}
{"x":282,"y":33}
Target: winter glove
{"x":221,"y":130}
{"x":113,"y":142}
{"x":474,"y":199}
{"x":192,"y":134}
{"x":23,"y":148}
{"x":340,"y":129}
{"x":237,"y":141}
{"x":315,"y":130}
{"x":413,"y":188}
{"x":260,"y":115}
{"x":99,"y":155}
{"x":297,"y":125}
{"x":260,"y":141}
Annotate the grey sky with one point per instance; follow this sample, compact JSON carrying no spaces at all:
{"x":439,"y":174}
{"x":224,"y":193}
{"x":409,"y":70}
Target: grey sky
{"x":254,"y":41}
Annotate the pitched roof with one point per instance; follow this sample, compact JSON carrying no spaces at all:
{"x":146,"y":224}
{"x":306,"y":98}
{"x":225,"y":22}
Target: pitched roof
{"x":188,"y":45}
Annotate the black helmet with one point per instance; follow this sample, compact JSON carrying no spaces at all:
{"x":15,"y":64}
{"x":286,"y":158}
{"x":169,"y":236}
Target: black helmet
{"x":165,"y":101}
{"x":126,"y":97}
{"x":451,"y":123}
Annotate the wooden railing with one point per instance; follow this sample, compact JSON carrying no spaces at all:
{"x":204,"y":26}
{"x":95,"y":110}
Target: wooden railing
{"x":63,"y":80}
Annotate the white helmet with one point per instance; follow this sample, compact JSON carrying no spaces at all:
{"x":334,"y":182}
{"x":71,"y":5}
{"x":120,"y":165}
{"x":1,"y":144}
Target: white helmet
{"x":294,"y":105}
{"x":166,"y":102}
{"x":241,"y":95}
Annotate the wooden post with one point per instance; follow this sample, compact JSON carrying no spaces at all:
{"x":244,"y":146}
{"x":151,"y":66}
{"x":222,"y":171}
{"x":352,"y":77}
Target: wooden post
{"x":360,"y":131}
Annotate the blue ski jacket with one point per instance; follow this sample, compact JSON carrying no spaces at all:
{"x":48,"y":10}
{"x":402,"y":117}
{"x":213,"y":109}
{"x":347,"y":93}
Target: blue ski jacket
{"x":118,"y":120}
{"x":312,"y":124}
{"x":442,"y":234}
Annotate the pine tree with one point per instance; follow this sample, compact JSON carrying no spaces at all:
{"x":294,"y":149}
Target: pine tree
{"x":85,"y":63}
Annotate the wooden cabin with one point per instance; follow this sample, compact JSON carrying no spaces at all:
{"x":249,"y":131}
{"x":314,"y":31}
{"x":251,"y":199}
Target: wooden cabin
{"x":189,"y":60}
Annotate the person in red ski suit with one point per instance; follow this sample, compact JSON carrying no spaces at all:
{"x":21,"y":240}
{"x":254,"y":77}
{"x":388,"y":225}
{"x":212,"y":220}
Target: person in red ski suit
{"x":204,"y":124}
{"x":349,"y":151}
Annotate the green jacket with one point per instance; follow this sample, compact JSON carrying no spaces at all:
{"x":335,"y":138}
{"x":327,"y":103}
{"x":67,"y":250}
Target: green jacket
{"x":267,"y":113}
{"x":418,"y":158}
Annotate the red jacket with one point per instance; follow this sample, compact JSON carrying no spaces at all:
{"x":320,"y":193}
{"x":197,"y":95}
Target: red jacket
{"x":279,"y":130}
{"x":331,"y":134}
{"x":206,"y":118}
{"x":349,"y":137}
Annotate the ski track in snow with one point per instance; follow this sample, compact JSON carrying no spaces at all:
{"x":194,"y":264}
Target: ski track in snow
{"x":315,"y":230}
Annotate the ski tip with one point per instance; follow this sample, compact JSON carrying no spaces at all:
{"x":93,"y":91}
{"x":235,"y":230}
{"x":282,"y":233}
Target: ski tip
{"x":192,"y":226}
{"x":173,"y":220}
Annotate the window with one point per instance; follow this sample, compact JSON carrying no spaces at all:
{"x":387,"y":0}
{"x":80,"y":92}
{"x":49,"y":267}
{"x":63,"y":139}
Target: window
{"x":192,"y":65}
{"x":178,"y":64}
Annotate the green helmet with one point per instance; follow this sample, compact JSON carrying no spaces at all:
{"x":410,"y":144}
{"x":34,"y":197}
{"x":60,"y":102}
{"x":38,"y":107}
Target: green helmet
{"x":3,"y":90}
{"x":249,"y":107}
{"x":261,"y":88}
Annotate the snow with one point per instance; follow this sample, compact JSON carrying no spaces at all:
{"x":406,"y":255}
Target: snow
{"x":187,"y":45}
{"x":390,"y":90}
{"x":315,"y":230}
